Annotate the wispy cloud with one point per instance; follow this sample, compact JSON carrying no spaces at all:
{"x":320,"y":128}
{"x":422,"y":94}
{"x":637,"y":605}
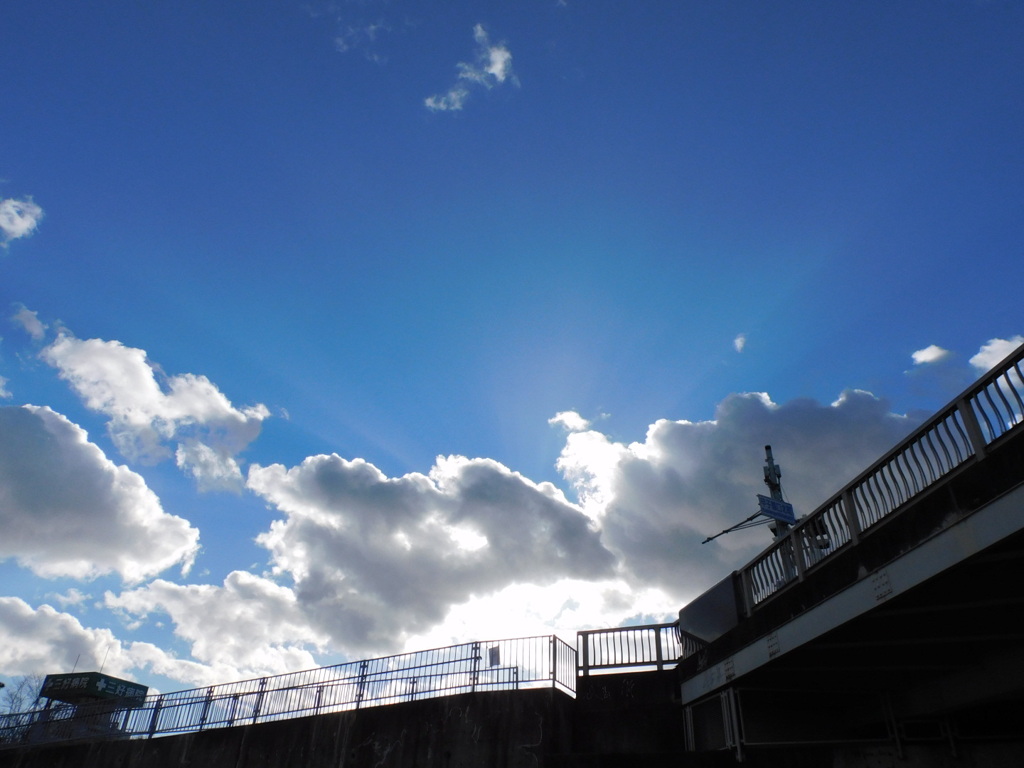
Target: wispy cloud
{"x":30,"y":322}
{"x":491,"y":66}
{"x":18,"y":218}
{"x":362,"y":37}
{"x":739,"y":342}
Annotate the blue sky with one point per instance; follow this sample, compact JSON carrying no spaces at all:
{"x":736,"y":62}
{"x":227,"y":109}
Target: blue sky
{"x":297,"y":292}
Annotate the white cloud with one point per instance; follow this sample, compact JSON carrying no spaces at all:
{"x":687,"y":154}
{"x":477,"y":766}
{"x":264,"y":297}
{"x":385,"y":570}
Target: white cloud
{"x":491,"y":66}
{"x":930,"y":354}
{"x":376,"y":559}
{"x":451,"y":101}
{"x":993,"y":352}
{"x":18,"y":218}
{"x":250,"y":625}
{"x":67,"y":510}
{"x":44,"y":640}
{"x":4,"y":392}
{"x":473,"y":550}
{"x":29,"y":320}
{"x":146,"y":413}
{"x":657,"y":500}
{"x":739,"y":342}
{"x":211,"y":469}
{"x":570,"y":421}
{"x":41,"y":641}
{"x":561,"y":608}
{"x":72,"y":597}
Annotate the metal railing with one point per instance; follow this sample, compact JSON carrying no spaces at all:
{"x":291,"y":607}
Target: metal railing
{"x":522,"y":663}
{"x":653,"y":645}
{"x":960,"y":433}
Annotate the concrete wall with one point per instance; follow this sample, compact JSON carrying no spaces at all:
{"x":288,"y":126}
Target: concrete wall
{"x":620,"y":720}
{"x":505,"y":729}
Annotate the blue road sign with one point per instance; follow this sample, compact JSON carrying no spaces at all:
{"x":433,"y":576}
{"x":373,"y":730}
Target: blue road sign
{"x":777,"y":510}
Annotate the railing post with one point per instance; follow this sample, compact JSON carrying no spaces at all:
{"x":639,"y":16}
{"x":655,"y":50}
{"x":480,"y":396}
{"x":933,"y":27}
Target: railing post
{"x":974,"y":433}
{"x":850,"y":513}
{"x":746,"y":592}
{"x":361,"y":689}
{"x":585,"y":664}
{"x":554,"y":659}
{"x":658,"y":654}
{"x":259,"y":699}
{"x":796,"y":553}
{"x":156,"y":716}
{"x":206,"y":707}
{"x":234,"y":709}
{"x":475,"y":673}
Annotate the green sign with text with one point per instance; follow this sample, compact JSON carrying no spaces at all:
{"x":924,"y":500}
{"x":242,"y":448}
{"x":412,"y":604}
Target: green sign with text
{"x":90,"y":686}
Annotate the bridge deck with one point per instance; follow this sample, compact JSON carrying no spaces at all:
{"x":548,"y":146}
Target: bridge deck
{"x":912,"y":631}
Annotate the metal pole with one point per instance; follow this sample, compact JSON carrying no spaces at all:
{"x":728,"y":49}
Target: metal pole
{"x":773,"y":479}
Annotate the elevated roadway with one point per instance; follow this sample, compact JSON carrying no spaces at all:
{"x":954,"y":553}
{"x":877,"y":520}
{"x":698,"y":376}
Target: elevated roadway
{"x":892,"y":618}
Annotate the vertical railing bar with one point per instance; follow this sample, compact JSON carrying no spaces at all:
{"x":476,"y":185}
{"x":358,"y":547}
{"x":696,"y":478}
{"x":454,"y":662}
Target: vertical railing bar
{"x":937,"y":472}
{"x":875,"y":502}
{"x":960,"y":416}
{"x":946,"y":441}
{"x":914,"y":450}
{"x":993,"y":411}
{"x":979,"y":406}
{"x":1010,"y":411}
{"x":1016,"y":394}
{"x":889,"y":483}
{"x":907,"y":488}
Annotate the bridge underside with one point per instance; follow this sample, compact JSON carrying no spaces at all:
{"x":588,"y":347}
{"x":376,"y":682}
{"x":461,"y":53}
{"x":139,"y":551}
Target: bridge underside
{"x":938,"y":661}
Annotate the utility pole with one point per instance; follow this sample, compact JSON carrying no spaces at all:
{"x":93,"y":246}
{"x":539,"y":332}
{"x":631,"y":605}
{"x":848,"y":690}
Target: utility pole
{"x":774,"y":507}
{"x":773,"y":478}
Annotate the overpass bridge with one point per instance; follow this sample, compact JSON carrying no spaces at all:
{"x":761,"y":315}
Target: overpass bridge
{"x":892,"y":615}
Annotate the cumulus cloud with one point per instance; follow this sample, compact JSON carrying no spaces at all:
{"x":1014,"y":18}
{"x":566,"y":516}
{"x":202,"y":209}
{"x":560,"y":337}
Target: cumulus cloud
{"x":250,"y":626}
{"x":739,"y":342}
{"x":930,"y":354}
{"x":993,"y":352}
{"x":656,"y":501}
{"x":375,"y":559}
{"x":491,"y":66}
{"x":30,"y":322}
{"x":44,"y":640}
{"x":67,"y":510}
{"x":563,"y":608}
{"x":148,"y":410}
{"x":570,"y":421}
{"x":18,"y":218}
{"x":4,"y":392}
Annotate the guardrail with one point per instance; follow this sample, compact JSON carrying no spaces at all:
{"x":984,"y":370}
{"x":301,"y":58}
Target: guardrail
{"x":532,"y":662}
{"x":961,"y":433}
{"x":653,"y":645}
